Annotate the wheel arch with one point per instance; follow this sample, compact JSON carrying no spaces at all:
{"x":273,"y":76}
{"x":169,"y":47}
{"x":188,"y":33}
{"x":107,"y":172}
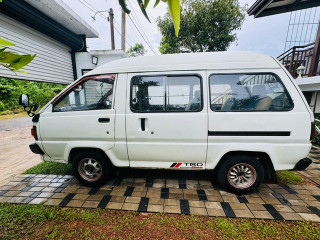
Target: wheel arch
{"x":75,"y":151}
{"x":262,"y":157}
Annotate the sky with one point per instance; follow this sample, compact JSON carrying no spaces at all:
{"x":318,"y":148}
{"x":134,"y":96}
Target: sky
{"x":264,"y":35}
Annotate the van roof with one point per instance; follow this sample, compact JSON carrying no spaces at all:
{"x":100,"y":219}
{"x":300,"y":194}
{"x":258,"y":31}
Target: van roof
{"x":189,"y":61}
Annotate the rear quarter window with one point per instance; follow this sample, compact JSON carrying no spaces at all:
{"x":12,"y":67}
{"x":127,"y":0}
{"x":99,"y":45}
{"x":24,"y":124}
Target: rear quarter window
{"x":248,"y":92}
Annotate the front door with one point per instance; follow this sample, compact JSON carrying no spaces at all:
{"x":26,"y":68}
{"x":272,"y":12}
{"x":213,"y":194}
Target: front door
{"x":82,"y":117}
{"x":166,"y":120}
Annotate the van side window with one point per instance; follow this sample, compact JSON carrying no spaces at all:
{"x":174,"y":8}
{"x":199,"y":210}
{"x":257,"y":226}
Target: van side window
{"x":166,"y":94}
{"x":248,"y":92}
{"x":93,"y":94}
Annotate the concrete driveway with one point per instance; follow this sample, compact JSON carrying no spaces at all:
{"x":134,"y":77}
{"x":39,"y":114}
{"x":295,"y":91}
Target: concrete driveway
{"x":15,"y":155}
{"x":15,"y":123}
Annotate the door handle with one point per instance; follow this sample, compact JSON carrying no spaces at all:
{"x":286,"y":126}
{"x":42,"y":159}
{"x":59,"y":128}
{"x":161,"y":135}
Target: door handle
{"x":104,"y":120}
{"x":143,"y":124}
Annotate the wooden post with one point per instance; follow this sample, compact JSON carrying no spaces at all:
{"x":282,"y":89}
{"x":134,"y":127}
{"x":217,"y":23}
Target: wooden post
{"x":315,"y":55}
{"x":111,"y":15}
{"x":123,"y":30}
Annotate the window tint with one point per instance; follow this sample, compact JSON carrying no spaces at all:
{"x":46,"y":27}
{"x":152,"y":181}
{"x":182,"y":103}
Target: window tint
{"x":166,"y":93}
{"x":248,"y":92}
{"x":92,"y":94}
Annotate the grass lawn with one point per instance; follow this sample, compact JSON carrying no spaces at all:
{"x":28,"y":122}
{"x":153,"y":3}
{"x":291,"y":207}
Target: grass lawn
{"x":42,"y":222}
{"x":50,"y":168}
{"x":9,"y":115}
{"x":289,"y":177}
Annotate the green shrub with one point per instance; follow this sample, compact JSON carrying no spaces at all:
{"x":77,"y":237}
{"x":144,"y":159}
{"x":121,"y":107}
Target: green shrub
{"x":39,"y":92}
{"x":2,"y":106}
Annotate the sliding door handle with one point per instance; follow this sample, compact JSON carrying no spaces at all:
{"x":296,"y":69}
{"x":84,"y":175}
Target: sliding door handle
{"x":104,"y":120}
{"x":143,"y":124}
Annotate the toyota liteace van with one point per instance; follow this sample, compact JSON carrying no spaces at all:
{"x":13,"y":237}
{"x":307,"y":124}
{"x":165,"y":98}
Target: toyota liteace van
{"x":239,"y":114}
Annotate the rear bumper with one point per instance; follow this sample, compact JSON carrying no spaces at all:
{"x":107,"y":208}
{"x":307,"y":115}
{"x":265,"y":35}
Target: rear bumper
{"x":302,"y":164}
{"x":36,"y":149}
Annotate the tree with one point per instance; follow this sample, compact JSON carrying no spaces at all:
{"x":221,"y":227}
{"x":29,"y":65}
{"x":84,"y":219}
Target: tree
{"x":206,"y":26}
{"x":173,"y":6}
{"x":136,"y":50}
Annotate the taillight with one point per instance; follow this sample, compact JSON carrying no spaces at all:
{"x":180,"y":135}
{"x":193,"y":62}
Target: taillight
{"x":34,"y":132}
{"x":313,"y":131}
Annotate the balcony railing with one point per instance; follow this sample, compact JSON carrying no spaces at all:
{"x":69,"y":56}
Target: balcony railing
{"x":299,"y":56}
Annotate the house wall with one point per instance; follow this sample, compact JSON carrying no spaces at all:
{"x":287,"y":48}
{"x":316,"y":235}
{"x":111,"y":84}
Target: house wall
{"x":84,"y":61}
{"x":53,"y":61}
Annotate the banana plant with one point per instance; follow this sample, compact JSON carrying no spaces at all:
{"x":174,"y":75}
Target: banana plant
{"x":173,"y":5}
{"x":13,"y":61}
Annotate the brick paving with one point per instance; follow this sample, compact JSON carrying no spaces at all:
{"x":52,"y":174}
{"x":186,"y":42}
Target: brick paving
{"x":199,"y":197}
{"x":189,"y":193}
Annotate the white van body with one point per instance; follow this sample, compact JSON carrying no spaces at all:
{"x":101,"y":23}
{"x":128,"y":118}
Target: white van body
{"x":184,"y":139}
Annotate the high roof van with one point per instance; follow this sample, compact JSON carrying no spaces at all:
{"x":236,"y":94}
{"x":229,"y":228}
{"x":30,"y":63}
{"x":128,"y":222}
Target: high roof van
{"x":238,"y":113}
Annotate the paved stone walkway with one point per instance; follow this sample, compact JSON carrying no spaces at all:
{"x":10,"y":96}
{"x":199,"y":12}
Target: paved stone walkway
{"x":199,"y":197}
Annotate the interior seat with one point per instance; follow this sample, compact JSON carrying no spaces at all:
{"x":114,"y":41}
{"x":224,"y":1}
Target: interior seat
{"x":263,"y":100}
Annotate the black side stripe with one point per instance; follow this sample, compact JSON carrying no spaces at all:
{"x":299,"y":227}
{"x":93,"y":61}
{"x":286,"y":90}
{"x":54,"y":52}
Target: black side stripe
{"x":249,"y":133}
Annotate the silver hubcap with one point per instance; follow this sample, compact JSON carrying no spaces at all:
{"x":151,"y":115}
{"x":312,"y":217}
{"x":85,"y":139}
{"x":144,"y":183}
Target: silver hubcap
{"x":242,"y":175}
{"x":90,"y":169}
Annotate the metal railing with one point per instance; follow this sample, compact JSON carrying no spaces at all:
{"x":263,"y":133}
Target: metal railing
{"x":297,"y":56}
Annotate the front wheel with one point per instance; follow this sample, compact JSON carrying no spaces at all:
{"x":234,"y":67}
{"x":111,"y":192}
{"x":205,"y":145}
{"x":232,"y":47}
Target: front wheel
{"x":91,"y":169}
{"x":240,"y":174}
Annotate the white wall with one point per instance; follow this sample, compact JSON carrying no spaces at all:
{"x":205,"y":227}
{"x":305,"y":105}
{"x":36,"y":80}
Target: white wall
{"x":84,"y":59}
{"x":53,"y":61}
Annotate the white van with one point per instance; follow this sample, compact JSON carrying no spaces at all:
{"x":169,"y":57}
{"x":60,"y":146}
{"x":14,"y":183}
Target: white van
{"x":238,"y":113}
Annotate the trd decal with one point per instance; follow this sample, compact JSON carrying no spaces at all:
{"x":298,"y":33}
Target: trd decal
{"x":187,"y":165}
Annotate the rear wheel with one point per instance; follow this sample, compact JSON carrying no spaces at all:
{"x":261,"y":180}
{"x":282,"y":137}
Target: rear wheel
{"x":91,"y":169}
{"x":240,"y":174}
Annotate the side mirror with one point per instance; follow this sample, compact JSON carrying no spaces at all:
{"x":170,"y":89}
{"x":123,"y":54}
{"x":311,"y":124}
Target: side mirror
{"x":24,"y":100}
{"x":35,"y":107}
{"x":30,"y":109}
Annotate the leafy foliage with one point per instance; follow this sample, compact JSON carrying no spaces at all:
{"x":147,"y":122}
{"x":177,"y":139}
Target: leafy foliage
{"x":39,"y":92}
{"x":206,"y":26}
{"x":173,"y":5}
{"x":136,"y":50}
{"x":13,"y":61}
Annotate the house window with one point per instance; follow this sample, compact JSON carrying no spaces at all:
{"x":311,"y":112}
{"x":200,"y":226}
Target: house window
{"x":248,"y":92}
{"x":166,"y":94}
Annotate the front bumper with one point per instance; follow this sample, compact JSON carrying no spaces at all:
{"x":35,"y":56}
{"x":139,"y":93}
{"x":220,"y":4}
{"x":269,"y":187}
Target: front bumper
{"x":36,"y":149}
{"x":302,"y":164}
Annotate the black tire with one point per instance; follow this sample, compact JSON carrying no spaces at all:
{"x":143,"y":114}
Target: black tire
{"x":227,"y":169}
{"x":96,"y":159}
